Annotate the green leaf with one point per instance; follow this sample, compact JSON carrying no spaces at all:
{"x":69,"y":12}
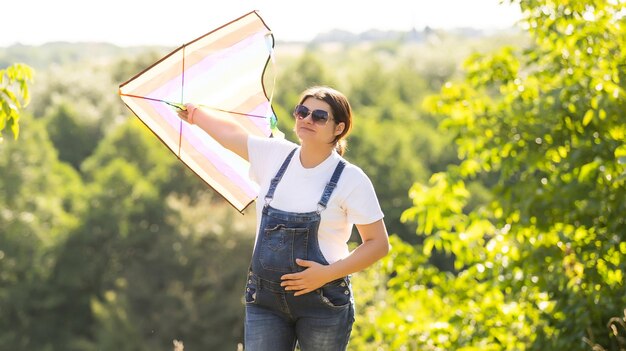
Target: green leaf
{"x":588,"y":117}
{"x":15,"y":128}
{"x":585,"y":170}
{"x":429,"y":243}
{"x":620,"y":151}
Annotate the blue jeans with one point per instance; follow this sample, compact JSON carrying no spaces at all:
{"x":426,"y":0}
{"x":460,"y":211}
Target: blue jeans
{"x":319,"y":321}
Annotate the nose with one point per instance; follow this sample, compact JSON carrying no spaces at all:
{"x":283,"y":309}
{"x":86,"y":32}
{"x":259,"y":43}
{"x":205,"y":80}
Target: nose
{"x":309,"y":117}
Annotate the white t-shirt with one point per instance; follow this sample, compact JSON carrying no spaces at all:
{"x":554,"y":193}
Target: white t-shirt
{"x":352,"y":202}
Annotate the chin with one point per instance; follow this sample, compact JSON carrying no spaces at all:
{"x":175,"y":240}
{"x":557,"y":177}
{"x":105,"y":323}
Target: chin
{"x":304,"y":134}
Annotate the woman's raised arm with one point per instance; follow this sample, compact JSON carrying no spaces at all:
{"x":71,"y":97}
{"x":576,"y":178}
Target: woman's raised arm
{"x":219,"y":126}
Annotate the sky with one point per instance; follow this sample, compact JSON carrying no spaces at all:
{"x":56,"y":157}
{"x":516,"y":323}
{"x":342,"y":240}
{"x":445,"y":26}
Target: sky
{"x":174,"y":22}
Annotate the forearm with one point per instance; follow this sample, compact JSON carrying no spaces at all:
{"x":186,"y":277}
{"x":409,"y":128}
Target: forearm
{"x":375,"y":246}
{"x":221,"y":127}
{"x":360,"y":258}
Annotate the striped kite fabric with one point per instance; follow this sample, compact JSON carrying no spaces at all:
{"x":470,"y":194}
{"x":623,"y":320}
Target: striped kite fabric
{"x":222,"y":70}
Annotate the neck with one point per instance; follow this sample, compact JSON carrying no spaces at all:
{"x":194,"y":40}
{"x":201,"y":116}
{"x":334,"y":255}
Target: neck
{"x":312,"y":156}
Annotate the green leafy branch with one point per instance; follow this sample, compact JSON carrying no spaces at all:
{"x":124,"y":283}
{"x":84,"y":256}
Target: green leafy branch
{"x":14,"y":95}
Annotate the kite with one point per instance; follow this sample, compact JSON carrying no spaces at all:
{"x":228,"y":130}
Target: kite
{"x":222,"y":70}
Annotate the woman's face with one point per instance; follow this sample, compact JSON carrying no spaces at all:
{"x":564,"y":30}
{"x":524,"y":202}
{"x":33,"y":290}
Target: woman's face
{"x":317,"y":132}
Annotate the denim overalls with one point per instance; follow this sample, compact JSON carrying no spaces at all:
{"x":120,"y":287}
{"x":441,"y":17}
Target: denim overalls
{"x":275,"y":318}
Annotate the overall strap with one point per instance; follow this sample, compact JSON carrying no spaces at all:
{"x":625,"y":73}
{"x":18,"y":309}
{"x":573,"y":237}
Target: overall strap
{"x":279,"y":175}
{"x":330,"y":186}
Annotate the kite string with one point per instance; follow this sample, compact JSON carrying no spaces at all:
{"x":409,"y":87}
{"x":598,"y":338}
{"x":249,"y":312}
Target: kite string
{"x":182,"y":107}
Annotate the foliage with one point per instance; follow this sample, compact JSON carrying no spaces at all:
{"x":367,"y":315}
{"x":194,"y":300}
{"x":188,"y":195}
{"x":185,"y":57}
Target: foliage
{"x":78,"y":107}
{"x":14,"y":77}
{"x":40,"y":199}
{"x":544,"y":259}
{"x":72,"y":134}
{"x":164,"y":255}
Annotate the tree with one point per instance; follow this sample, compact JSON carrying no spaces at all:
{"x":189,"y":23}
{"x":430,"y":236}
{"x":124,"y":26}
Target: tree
{"x":79,"y":107}
{"x":40,"y":201}
{"x":14,"y":77}
{"x":147,"y":264}
{"x":74,"y":136}
{"x":540,"y":266}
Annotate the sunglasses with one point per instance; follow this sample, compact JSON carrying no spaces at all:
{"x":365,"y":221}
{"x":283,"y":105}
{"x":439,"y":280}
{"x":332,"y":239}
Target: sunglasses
{"x":319,"y":116}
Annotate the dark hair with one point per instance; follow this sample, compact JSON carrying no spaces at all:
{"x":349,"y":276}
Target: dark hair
{"x":342,"y":112}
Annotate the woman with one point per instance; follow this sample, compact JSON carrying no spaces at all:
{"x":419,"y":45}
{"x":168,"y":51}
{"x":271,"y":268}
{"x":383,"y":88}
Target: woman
{"x":298,"y":288}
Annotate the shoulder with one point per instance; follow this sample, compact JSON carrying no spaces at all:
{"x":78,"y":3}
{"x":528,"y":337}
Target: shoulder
{"x":256,"y":143}
{"x":354,"y":179}
{"x":354,"y":172}
{"x":358,"y":197}
{"x":266,"y":154}
{"x":264,"y":149}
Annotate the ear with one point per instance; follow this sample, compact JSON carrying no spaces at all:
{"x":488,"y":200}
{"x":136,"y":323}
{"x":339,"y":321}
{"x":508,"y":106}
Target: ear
{"x":339,"y":128}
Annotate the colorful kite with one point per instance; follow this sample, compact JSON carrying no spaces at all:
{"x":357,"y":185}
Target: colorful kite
{"x":222,"y":70}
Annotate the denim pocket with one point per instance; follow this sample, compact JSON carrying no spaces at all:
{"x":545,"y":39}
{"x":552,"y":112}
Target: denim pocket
{"x":279,"y":247}
{"x":336,"y":294}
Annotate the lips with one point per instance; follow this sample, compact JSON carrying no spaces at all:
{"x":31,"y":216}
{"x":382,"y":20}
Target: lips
{"x":307,"y":129}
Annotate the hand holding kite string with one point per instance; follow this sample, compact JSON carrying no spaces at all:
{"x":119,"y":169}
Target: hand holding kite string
{"x":221,"y":71}
{"x":186,"y":114}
